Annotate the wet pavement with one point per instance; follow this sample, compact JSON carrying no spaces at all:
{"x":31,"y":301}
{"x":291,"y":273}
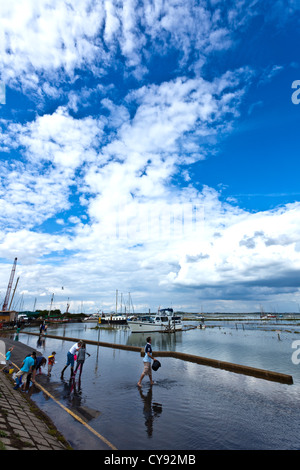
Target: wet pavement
{"x":54,"y":391}
{"x":22,"y":425}
{"x":191,"y":406}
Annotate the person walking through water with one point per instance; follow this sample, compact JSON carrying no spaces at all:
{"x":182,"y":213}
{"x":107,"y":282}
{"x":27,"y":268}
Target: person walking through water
{"x":147,"y":363}
{"x":70,"y":358}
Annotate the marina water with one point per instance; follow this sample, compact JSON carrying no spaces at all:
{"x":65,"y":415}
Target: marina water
{"x":191,"y":407}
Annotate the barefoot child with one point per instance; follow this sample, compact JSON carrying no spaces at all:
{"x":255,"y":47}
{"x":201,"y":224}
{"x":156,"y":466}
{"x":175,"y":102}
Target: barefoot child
{"x":51,"y":361}
{"x":81,"y":358}
{"x":8,"y":362}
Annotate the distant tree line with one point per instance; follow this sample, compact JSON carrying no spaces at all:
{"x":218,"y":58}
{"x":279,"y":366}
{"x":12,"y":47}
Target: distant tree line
{"x":53,"y":313}
{"x":57,"y":313}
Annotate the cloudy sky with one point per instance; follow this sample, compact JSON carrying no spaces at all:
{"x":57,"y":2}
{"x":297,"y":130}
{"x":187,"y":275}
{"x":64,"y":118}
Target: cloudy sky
{"x":150,"y":147}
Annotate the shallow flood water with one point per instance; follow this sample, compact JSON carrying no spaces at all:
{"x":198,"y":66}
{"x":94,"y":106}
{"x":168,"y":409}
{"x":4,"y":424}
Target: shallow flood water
{"x":191,"y":407}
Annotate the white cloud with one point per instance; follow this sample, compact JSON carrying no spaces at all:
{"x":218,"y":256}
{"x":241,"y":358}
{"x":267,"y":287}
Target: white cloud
{"x":55,"y":146}
{"x":63,"y":36}
{"x":229,"y":260}
{"x":174,"y":124}
{"x":30,"y":246}
{"x":88,"y":35}
{"x":61,"y":139}
{"x":197,"y":263}
{"x":136,"y":213}
{"x":28,"y":198}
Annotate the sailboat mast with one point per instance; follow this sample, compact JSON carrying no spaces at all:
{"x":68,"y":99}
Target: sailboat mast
{"x":51,"y":305}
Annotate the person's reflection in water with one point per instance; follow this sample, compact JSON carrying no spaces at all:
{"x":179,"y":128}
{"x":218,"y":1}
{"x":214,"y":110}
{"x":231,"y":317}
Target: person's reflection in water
{"x":151,"y":411}
{"x":41,"y":342}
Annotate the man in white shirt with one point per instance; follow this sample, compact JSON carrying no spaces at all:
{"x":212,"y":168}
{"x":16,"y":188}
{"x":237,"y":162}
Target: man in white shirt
{"x":147,"y":363}
{"x":70,"y":358}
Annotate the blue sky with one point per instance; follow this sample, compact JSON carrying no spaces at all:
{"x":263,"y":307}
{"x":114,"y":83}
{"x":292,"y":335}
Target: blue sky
{"x":152,"y":148}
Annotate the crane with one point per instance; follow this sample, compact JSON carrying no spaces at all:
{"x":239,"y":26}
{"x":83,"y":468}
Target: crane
{"x":6,"y":300}
{"x":14,"y":291}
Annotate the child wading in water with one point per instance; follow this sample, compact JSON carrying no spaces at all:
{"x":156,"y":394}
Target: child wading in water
{"x":81,"y":358}
{"x":51,"y":361}
{"x":8,"y":364}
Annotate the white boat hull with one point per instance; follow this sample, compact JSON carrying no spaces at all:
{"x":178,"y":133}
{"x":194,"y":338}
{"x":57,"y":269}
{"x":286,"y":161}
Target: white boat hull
{"x":110,"y":319}
{"x":144,"y":327}
{"x":163,"y":321}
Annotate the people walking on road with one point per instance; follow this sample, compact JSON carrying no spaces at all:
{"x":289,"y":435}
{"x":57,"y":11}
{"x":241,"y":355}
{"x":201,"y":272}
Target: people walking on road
{"x":147,"y":363}
{"x":70,"y":358}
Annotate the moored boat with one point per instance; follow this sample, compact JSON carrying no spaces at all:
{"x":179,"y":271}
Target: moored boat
{"x":113,"y":319}
{"x":268,"y":316}
{"x":92,"y":318}
{"x":164,"y":321}
{"x":110,"y":319}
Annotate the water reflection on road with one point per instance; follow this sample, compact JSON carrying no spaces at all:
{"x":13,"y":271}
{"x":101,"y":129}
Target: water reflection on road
{"x":190,"y":406}
{"x":152,"y":410}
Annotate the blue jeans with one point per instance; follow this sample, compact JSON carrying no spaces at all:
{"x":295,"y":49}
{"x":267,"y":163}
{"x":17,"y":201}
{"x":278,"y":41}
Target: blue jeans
{"x":70,"y":359}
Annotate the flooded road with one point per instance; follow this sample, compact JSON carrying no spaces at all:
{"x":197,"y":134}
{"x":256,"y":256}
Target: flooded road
{"x":190,"y":407}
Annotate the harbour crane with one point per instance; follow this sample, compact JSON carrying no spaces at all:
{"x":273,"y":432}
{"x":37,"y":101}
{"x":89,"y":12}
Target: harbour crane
{"x":14,"y":291}
{"x":12,"y":274}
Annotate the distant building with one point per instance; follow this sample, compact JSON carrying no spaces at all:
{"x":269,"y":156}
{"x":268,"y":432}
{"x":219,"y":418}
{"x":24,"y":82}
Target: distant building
{"x":8,"y":316}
